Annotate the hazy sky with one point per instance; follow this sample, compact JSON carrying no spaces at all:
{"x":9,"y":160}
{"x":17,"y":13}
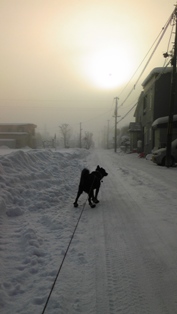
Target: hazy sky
{"x":64,"y":61}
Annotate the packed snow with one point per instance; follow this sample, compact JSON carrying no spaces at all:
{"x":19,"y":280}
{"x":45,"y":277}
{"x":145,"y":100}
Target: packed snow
{"x":119,"y":257}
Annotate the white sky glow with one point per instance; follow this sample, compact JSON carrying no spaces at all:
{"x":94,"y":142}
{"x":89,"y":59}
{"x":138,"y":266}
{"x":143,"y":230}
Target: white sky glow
{"x":75,"y":54}
{"x":108,"y":68}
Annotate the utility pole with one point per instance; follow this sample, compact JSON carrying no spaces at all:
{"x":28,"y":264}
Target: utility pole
{"x":172,"y":100}
{"x":108,"y":136}
{"x":80,"y":136}
{"x":115,"y":133}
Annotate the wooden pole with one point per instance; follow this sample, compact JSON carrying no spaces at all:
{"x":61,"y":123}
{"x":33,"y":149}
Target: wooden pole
{"x":115,"y":135}
{"x":172,"y":101}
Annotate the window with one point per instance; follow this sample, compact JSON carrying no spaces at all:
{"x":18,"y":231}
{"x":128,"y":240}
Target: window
{"x":144,"y":104}
{"x":150,"y":99}
{"x":145,"y":135}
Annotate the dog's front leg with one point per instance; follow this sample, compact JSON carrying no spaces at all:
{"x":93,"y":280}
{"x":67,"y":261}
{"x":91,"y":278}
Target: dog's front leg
{"x":95,"y":198}
{"x":77,"y":197}
{"x":91,"y":196}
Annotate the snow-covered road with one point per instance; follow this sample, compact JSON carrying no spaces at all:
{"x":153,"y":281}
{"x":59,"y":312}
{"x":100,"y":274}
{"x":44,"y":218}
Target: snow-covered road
{"x":123,"y":256}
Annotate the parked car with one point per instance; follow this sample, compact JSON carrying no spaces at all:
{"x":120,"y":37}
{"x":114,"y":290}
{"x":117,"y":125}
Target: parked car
{"x":159,"y":156}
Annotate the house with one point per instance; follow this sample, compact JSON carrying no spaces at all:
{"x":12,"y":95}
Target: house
{"x":159,"y":128}
{"x":135,"y":137}
{"x":153,"y":103}
{"x":17,"y":135}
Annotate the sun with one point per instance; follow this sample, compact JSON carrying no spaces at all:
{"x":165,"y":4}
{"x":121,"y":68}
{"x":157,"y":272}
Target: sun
{"x":108,"y":68}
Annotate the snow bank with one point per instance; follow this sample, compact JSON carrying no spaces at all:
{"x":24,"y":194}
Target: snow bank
{"x":37,"y":190}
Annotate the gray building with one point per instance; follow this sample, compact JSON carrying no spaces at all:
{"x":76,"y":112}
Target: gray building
{"x":153,"y":103}
{"x":17,"y":135}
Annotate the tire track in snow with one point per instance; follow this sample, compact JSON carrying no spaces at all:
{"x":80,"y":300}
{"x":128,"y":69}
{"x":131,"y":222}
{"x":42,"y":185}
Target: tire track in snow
{"x":139,"y":275}
{"x":126,"y":278}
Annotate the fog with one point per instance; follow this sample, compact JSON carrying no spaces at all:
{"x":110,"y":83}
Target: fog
{"x":66,"y":61}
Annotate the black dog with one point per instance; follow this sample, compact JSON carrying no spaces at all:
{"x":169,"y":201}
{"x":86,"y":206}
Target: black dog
{"x":90,"y":182}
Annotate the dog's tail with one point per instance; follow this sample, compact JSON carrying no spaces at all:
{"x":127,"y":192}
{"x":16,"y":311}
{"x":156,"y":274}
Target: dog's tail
{"x":84,"y":175}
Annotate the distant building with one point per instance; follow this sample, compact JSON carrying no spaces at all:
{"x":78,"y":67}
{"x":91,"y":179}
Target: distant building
{"x":135,"y":131}
{"x":17,"y":135}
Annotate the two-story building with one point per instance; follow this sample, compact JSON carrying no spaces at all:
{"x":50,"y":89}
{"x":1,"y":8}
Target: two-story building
{"x":17,"y":135}
{"x":153,"y":103}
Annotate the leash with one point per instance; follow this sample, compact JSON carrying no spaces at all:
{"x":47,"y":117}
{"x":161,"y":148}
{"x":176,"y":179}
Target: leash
{"x":59,"y":270}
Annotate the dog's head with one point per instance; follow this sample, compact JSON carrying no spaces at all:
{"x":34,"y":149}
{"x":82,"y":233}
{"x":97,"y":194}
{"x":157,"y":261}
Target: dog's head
{"x":102,"y":171}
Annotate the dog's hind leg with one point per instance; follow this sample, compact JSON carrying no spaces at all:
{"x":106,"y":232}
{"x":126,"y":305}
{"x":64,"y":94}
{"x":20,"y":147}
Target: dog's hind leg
{"x":77,"y":197}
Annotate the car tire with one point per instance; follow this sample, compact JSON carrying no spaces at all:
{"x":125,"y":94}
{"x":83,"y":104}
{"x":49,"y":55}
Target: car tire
{"x":163,"y":163}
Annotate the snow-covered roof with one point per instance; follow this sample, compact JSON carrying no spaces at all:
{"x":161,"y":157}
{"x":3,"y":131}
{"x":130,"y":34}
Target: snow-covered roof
{"x":7,"y":140}
{"x":163,"y":120}
{"x":14,"y":133}
{"x":159,"y":70}
{"x":18,"y":124}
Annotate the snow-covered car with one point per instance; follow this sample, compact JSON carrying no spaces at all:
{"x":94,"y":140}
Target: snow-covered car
{"x":159,"y":156}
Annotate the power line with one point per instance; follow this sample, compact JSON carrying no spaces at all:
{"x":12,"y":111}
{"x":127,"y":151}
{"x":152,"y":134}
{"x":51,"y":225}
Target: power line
{"x":159,"y":38}
{"x":127,"y":112}
{"x":161,"y":34}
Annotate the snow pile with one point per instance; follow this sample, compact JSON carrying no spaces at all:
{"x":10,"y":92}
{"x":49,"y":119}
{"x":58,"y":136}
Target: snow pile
{"x":122,"y":257}
{"x":37,"y":190}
